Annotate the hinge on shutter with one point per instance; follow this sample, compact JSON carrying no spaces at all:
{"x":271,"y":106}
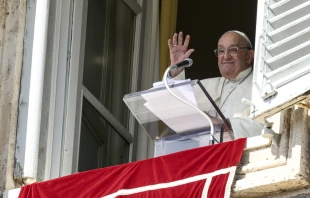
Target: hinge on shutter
{"x":269,"y":90}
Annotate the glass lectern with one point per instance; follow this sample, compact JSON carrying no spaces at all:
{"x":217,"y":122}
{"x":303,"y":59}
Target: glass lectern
{"x":170,"y":122}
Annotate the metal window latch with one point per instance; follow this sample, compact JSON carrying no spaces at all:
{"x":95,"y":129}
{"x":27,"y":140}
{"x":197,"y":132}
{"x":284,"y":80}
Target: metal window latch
{"x":269,"y":90}
{"x":267,"y":131}
{"x":250,"y":103}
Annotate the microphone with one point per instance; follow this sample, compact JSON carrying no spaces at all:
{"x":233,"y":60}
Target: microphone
{"x":186,"y":63}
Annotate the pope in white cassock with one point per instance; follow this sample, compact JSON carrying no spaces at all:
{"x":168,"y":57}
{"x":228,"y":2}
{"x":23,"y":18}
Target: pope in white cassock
{"x":235,"y":55}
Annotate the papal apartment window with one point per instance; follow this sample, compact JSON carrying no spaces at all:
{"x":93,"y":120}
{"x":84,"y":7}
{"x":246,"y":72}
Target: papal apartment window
{"x":107,"y":75}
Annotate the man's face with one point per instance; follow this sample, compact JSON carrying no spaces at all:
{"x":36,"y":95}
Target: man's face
{"x":231,"y":64}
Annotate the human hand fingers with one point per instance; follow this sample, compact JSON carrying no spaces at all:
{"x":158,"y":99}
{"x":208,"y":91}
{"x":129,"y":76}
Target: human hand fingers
{"x":186,"y":42}
{"x":178,"y":50}
{"x":188,"y":53}
{"x":170,"y":45}
{"x":175,"y":39}
{"x":180,"y":39}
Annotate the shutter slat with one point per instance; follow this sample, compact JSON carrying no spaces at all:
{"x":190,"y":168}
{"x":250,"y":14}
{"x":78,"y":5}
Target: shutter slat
{"x":285,"y":5}
{"x":290,"y":29}
{"x":289,"y":56}
{"x":290,"y":15}
{"x":289,"y":42}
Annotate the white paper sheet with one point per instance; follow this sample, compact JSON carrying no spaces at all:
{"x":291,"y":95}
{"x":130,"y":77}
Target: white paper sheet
{"x":179,"y":116}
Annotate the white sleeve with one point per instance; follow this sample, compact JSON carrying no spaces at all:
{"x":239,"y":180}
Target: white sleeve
{"x":181,"y":76}
{"x":245,"y":127}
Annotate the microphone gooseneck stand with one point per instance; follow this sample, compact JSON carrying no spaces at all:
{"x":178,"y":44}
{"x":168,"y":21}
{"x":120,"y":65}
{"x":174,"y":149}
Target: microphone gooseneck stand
{"x":212,"y":141}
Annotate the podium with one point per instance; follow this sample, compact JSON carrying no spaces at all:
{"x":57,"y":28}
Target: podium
{"x":172,"y":124}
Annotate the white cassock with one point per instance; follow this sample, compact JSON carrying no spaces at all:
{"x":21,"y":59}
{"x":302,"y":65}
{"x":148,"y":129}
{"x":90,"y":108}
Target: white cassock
{"x":227,"y":94}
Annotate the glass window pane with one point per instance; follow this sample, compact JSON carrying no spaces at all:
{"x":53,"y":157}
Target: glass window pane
{"x":94,"y":47}
{"x":100,"y":145}
{"x":108,"y":54}
{"x":107,"y":75}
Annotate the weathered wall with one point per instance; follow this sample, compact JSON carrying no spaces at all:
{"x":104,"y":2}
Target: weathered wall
{"x":301,"y":193}
{"x":287,"y":173}
{"x":12,"y":23}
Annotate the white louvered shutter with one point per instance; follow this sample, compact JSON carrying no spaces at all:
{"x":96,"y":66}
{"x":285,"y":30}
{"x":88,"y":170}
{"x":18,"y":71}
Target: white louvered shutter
{"x":282,"y":56}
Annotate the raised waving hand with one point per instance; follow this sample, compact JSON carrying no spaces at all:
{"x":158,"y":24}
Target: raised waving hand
{"x":178,"y":50}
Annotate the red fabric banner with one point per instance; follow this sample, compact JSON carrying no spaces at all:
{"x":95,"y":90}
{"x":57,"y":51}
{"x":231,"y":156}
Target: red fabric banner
{"x":201,"y":172}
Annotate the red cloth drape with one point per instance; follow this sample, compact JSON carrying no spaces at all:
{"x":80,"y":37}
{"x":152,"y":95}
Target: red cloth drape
{"x":181,"y":174}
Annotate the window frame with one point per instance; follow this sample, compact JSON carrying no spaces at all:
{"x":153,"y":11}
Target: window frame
{"x":77,"y":92}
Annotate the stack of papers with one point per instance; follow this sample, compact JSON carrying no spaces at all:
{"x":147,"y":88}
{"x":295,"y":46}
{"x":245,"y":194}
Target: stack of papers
{"x":176,"y":114}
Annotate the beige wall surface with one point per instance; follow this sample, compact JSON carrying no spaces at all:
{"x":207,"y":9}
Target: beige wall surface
{"x":12,"y":19}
